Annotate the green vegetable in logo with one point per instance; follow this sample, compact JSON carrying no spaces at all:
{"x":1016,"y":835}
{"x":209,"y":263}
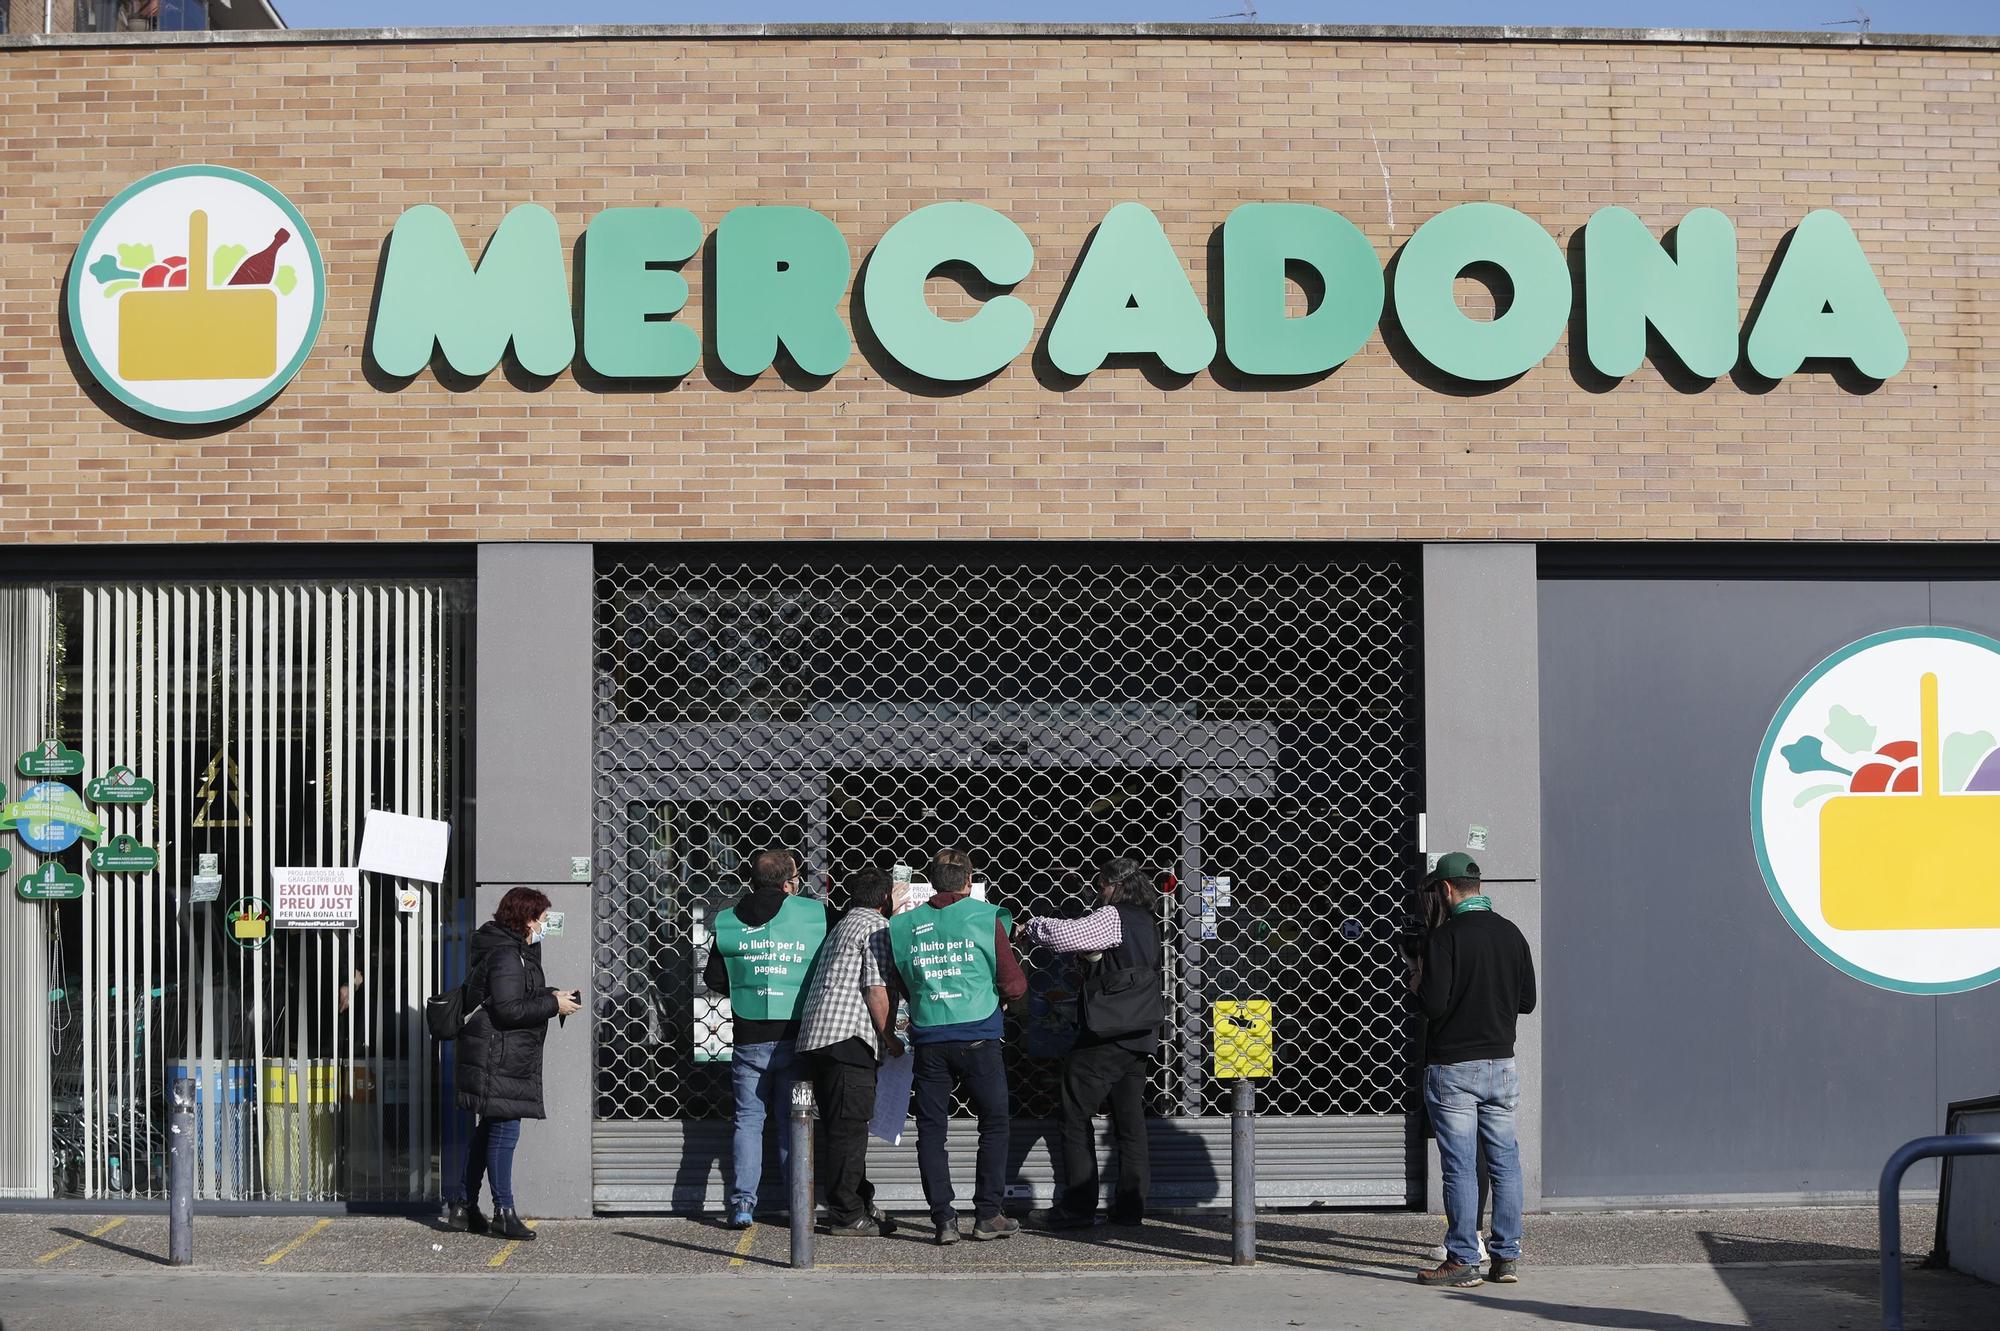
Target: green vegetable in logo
{"x":1804,"y":755}
{"x":227,"y":257}
{"x":107,"y":269}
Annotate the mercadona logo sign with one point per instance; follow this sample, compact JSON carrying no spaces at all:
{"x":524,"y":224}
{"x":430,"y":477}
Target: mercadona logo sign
{"x":196,"y":294}
{"x":1875,"y":807}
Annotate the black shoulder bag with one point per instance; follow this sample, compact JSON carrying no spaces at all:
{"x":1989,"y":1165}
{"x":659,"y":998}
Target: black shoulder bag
{"x":445,"y":1014}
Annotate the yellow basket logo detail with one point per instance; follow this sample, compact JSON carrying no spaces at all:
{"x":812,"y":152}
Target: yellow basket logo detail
{"x":1875,"y":805}
{"x":1903,"y":861}
{"x":196,"y":294}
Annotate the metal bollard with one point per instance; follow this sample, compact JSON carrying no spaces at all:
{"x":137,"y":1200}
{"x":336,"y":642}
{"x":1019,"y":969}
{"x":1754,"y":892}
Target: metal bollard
{"x":1243,"y":1174}
{"x":802,"y":1175}
{"x":1889,"y":1202}
{"x":180,"y":1175}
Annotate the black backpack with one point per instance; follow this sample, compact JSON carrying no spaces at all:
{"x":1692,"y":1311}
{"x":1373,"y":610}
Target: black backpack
{"x":445,"y":1013}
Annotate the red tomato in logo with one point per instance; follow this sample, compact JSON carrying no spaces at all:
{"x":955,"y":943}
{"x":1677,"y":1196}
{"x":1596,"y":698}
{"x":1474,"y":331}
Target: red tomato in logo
{"x":1897,"y":775}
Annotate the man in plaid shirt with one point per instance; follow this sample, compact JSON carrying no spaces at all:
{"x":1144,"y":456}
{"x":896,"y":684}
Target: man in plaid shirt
{"x":848,"y":1026}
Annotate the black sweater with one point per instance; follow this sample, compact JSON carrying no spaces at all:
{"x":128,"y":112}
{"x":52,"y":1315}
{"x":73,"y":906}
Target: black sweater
{"x":1478,"y":977}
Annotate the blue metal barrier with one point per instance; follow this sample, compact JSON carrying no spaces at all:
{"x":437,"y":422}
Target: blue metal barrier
{"x":1890,"y":1200}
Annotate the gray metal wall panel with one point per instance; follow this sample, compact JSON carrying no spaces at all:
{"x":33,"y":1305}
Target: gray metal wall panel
{"x":533,"y":711}
{"x":1968,"y":1051}
{"x":552,"y":1168}
{"x":1482,"y":750}
{"x":1695,"y":1044}
{"x":642,"y":1166}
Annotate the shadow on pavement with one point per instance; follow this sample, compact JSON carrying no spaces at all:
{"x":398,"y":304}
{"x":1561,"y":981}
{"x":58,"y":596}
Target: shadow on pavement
{"x":1610,"y":1319}
{"x":96,"y":1242}
{"x":701,"y":1249}
{"x":1208,"y":1239}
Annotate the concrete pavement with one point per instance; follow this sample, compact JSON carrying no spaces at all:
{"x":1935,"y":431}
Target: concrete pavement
{"x":1679,"y":1270}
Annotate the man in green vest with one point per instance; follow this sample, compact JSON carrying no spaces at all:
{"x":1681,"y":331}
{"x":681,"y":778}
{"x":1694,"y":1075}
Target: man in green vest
{"x":764,"y":948}
{"x":957,"y":968}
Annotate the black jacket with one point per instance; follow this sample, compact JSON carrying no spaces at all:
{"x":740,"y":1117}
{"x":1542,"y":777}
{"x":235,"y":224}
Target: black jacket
{"x":500,"y":1050}
{"x":1478,"y":978}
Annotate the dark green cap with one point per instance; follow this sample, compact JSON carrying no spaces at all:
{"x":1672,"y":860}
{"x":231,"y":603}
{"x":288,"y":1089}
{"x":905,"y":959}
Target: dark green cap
{"x":1458,"y":864}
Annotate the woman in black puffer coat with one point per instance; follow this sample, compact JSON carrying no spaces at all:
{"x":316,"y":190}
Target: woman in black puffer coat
{"x":500,"y":1055}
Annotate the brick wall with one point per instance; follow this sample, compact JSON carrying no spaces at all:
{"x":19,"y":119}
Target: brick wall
{"x":1905,"y":143}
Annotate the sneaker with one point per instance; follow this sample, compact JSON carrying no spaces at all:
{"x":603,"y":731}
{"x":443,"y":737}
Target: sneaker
{"x":867,"y":1227}
{"x":1055,"y":1218}
{"x":999,"y":1227}
{"x":1501,"y":1272}
{"x":1128,"y":1219}
{"x":1452,"y":1275}
{"x":1443,"y":1254}
{"x":741,"y":1219}
{"x":947,"y":1234}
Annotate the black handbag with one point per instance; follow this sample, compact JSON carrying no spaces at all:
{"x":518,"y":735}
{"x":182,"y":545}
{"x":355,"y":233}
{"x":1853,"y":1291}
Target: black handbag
{"x":1125,"y":1001}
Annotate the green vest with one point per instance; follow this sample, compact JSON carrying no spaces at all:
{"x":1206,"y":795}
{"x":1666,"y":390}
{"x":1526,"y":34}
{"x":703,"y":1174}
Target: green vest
{"x":948,"y":961}
{"x":767,"y":963}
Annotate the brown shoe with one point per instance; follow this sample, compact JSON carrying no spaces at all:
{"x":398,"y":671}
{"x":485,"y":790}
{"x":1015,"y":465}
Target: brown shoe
{"x":1451,"y":1275}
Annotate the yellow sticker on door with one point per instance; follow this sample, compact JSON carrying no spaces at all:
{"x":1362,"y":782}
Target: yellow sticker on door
{"x":196,"y":294}
{"x":1243,"y":1038}
{"x":1875,"y":807}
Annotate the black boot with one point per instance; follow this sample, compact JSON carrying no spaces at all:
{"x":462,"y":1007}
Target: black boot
{"x":464,"y":1218}
{"x":507,"y":1225}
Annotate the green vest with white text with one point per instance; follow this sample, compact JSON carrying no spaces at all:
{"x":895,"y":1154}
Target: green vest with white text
{"x":768,"y":962}
{"x":948,"y":961}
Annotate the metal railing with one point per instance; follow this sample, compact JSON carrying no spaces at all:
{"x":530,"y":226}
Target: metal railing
{"x":1889,"y":1199}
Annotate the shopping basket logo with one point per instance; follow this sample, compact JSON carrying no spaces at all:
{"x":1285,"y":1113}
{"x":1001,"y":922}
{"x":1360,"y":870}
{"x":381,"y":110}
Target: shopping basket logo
{"x":1875,"y":809}
{"x":196,"y":294}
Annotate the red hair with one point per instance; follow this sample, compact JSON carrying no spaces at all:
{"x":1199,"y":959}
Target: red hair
{"x":521,"y":907}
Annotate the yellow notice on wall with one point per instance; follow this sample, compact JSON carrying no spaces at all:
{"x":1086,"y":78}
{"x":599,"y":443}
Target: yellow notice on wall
{"x":1243,"y":1038}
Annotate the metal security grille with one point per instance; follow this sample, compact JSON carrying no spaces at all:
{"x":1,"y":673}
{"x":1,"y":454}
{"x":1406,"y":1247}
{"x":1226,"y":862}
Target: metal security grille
{"x":271,"y":719}
{"x":1249,"y":728}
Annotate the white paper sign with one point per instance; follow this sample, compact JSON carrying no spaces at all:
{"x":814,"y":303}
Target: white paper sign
{"x":315,"y":898}
{"x":892,"y":1097}
{"x":404,"y":847}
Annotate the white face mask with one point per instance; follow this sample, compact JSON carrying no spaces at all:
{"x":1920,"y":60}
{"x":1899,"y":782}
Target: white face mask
{"x":535,"y":932}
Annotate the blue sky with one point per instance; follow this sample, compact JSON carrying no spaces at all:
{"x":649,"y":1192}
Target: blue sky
{"x":1963,"y":16}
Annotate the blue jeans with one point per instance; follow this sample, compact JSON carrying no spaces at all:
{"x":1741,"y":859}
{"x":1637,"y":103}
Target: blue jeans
{"x":761,"y":1076}
{"x":490,"y":1153}
{"x":1472,"y":1109}
{"x":977,"y":1066}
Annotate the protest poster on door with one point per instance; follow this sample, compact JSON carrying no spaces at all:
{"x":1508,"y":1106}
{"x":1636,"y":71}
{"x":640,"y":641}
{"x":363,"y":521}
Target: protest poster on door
{"x":315,"y":898}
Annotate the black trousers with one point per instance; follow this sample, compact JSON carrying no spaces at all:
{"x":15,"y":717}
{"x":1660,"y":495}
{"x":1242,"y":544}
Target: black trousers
{"x":845,"y":1093}
{"x":1091,"y":1073}
{"x":978,"y":1067}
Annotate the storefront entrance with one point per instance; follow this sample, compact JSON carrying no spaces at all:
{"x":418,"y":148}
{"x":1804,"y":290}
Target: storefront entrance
{"x":1247,"y":728}
{"x":269,"y":720}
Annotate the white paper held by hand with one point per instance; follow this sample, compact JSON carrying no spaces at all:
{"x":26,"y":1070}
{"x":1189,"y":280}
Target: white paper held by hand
{"x":404,"y":847}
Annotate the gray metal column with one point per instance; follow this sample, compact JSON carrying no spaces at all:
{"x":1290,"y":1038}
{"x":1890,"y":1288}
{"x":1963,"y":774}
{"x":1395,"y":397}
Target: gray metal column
{"x":533,"y":818}
{"x":1482,"y":762}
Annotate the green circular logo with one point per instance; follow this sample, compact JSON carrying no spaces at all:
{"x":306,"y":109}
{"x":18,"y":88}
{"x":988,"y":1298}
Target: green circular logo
{"x":1875,"y":804}
{"x":196,"y":294}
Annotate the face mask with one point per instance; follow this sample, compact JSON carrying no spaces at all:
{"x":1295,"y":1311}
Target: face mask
{"x":535,"y":932}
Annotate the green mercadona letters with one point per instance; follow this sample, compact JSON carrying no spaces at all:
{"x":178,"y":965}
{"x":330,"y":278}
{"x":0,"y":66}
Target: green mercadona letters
{"x":781,"y":276}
